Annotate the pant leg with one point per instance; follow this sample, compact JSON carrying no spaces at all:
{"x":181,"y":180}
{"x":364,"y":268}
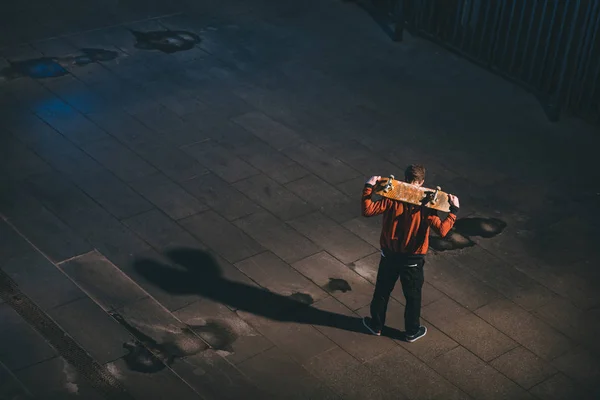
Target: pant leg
{"x":412,"y":279}
{"x":387,"y":275}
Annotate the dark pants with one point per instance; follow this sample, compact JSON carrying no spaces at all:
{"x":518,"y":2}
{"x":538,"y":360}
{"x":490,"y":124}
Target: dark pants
{"x":410,"y":272}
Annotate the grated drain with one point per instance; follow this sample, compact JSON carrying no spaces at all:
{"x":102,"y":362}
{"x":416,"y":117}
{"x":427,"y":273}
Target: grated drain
{"x":97,"y":376}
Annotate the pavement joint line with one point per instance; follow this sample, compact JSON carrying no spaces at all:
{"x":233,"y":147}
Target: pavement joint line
{"x":95,"y":373}
{"x":75,"y":257}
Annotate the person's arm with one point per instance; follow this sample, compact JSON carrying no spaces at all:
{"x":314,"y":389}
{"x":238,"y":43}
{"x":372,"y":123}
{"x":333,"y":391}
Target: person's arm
{"x":443,"y":227}
{"x":369,"y":207}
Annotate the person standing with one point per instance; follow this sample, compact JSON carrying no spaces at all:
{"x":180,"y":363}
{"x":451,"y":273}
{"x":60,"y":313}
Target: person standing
{"x":404,"y":242}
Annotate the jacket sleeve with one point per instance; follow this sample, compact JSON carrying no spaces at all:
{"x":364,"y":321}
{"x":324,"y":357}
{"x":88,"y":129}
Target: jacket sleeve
{"x":443,"y":227}
{"x":371,"y":208}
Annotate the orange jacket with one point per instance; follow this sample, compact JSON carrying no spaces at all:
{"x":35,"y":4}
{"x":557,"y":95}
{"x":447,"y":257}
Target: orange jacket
{"x":405,"y":226}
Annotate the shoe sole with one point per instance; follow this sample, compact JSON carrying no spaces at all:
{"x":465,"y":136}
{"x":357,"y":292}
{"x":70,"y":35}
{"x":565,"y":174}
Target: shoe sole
{"x":418,"y":337}
{"x":369,"y":328}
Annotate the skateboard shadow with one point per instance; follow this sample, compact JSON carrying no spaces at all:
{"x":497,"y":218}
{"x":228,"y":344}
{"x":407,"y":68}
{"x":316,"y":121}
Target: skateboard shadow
{"x":466,"y":228}
{"x":199,"y":273}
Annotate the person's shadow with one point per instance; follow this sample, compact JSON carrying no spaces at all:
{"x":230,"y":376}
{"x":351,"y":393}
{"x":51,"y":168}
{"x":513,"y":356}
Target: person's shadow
{"x":466,"y":228}
{"x":202,"y":275}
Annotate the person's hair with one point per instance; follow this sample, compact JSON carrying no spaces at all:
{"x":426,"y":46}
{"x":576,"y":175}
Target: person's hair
{"x":414,"y":173}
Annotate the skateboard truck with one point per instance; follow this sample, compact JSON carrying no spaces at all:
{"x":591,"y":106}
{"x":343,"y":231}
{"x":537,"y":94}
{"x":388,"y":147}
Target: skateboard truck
{"x":435,"y":194}
{"x":388,"y":186}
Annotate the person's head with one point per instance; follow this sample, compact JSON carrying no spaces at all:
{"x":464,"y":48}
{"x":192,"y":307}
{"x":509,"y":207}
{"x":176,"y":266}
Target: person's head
{"x":415,"y":174}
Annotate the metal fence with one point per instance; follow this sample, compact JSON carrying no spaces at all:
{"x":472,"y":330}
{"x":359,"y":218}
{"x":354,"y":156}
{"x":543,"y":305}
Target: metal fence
{"x":551,"y":47}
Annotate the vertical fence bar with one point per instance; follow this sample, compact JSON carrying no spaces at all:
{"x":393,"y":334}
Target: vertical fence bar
{"x":477,"y":14}
{"x":494,"y":32}
{"x":594,"y":90}
{"x":556,"y":103}
{"x":483,"y":29}
{"x":506,"y":41}
{"x":557,"y":41}
{"x":528,"y":37}
{"x":516,"y":44}
{"x":466,"y":24}
{"x":457,"y":24}
{"x":537,"y":40}
{"x":584,"y":40}
{"x":590,"y":56}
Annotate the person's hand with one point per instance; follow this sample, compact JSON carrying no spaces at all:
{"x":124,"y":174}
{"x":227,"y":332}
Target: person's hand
{"x":373,"y":180}
{"x":453,"y":200}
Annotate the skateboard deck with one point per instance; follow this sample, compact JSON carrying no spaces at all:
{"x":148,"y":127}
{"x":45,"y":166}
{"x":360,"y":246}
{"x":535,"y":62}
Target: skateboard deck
{"x":407,"y":193}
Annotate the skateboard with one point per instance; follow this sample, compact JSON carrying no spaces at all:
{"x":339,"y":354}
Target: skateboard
{"x":407,"y":193}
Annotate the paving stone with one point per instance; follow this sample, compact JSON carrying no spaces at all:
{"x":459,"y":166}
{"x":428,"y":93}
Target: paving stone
{"x":220,"y":196}
{"x":160,"y":231}
{"x":561,"y":314}
{"x":12,"y":244}
{"x":231,"y":243}
{"x":269,"y":161}
{"x":169,"y":197}
{"x":19,"y":161}
{"x":276,"y":134}
{"x":88,"y":219}
{"x":436,"y":344}
{"x":76,"y":94}
{"x":60,"y":153}
{"x":293,"y":382}
{"x":525,"y":329}
{"x":340,"y":281}
{"x":172,"y":161}
{"x":224,"y":330}
{"x":458,"y":283}
{"x":272,"y":273}
{"x":348,"y":377}
{"x":277,"y":236}
{"x":92,"y":328}
{"x":582,"y":366}
{"x":223,"y":131}
{"x":42,"y":228}
{"x":174,"y":96}
{"x":11,"y":387}
{"x":339,"y":242}
{"x":299,"y":341}
{"x":578,"y":289}
{"x":213,"y":377}
{"x":161,"y":385}
{"x":56,"y":379}
{"x":123,"y":127}
{"x":220,"y":161}
{"x":102,"y":281}
{"x":559,"y":387}
{"x":368,"y":229}
{"x":27,"y":346}
{"x":370,"y":165}
{"x":350,"y":335}
{"x":41,"y":281}
{"x":353,"y":187}
{"x":119,"y":159}
{"x":418,"y":380}
{"x":475,"y":377}
{"x":505,"y":279}
{"x":114,"y":195}
{"x":158,"y":118}
{"x":523,"y":367}
{"x":335,"y":205}
{"x":273,"y":197}
{"x":318,"y":162}
{"x":165,"y":280}
{"x":467,"y":329}
{"x":70,"y":123}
